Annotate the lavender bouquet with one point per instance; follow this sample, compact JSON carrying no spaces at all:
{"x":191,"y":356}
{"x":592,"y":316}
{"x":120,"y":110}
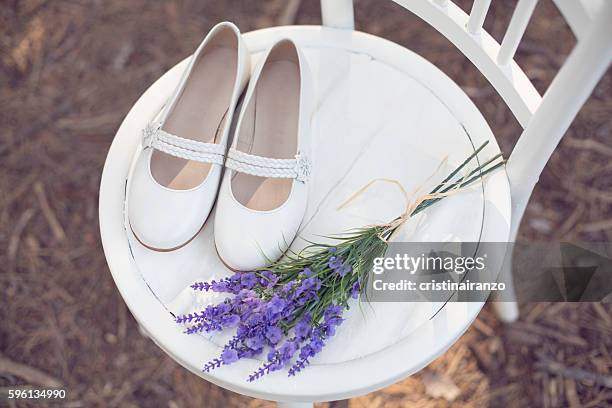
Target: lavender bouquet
{"x":293,"y":307}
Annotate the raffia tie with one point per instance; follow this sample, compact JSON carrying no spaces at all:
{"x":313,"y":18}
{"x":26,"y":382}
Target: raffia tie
{"x":411,"y":204}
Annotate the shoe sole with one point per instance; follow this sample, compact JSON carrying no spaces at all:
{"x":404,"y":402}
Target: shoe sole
{"x":223,"y":261}
{"x":165,"y":249}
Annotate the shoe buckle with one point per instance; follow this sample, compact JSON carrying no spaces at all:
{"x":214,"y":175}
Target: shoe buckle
{"x":149,"y":133}
{"x":303,"y":168}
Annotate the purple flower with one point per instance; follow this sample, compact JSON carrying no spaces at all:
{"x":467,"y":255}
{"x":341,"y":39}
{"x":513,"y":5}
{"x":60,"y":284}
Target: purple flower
{"x":230,"y":320}
{"x":220,"y":287}
{"x":306,"y":352}
{"x":262,"y":310}
{"x":287,"y":288}
{"x":334,"y":262}
{"x":331,"y":311}
{"x":332,"y":318}
{"x":272,"y":354}
{"x":316,"y":344}
{"x":306,"y":273}
{"x":211,"y":365}
{"x":212,"y":318}
{"x":222,"y":309}
{"x":311,"y":283}
{"x":274,"y":334}
{"x":249,"y":352}
{"x":229,"y":356}
{"x":255,"y":343}
{"x":248,"y":280}
{"x":338,"y":265}
{"x":255,"y":320}
{"x":287,"y":351}
{"x":276,"y":305}
{"x":190,"y":318}
{"x":355,"y":290}
{"x":344,"y":269}
{"x":201,"y":286}
{"x":225,"y":285}
{"x":268,"y":279}
{"x":302,"y":328}
{"x":330,"y":330}
{"x":277,"y":359}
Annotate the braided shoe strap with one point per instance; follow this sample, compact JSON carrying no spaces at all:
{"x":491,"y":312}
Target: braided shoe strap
{"x":298,"y":168}
{"x":155,"y":137}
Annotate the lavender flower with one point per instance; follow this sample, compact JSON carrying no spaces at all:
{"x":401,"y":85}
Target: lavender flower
{"x":314,"y":343}
{"x":276,"y":305}
{"x":273,"y":334}
{"x":355,"y":290}
{"x":338,"y":265}
{"x":264,"y":309}
{"x":268,"y":279}
{"x":229,"y":320}
{"x":232,"y":284}
{"x":248,"y":280}
{"x":306,"y":273}
{"x":302,"y":329}
{"x":334,"y":262}
{"x":229,"y":356}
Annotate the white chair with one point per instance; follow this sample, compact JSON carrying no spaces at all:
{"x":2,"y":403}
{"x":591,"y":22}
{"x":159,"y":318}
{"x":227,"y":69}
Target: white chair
{"x":372,"y":88}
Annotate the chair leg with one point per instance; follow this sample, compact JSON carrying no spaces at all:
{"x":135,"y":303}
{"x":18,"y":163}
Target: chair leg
{"x":295,"y":405}
{"x":505,"y":304}
{"x":338,"y":14}
{"x":333,"y":404}
{"x":507,"y":312}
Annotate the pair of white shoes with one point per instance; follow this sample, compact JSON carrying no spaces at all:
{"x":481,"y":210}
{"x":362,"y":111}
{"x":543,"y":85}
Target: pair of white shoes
{"x":260,"y":184}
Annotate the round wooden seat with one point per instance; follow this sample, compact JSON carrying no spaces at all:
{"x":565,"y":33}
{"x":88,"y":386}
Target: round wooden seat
{"x":383,"y":112}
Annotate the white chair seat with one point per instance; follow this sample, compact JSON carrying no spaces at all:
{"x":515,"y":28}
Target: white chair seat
{"x":383,"y":112}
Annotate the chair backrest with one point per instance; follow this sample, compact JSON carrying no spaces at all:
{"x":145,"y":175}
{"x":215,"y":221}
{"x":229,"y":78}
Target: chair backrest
{"x":545,"y":119}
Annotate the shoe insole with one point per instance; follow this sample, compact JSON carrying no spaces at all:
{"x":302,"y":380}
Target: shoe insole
{"x":275,"y":112}
{"x":199,"y":114}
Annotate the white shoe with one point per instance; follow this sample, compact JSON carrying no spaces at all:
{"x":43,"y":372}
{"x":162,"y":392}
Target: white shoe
{"x":177,"y":175}
{"x":264,"y":192}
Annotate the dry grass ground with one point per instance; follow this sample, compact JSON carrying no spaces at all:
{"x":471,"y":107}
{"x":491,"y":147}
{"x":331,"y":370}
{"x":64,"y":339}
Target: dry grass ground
{"x":71,"y":69}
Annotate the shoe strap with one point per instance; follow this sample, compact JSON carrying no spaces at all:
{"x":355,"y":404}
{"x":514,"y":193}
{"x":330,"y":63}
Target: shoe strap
{"x":298,"y":168}
{"x":154,"y":136}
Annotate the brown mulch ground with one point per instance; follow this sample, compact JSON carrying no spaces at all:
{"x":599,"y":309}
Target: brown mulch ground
{"x":71,"y":69}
